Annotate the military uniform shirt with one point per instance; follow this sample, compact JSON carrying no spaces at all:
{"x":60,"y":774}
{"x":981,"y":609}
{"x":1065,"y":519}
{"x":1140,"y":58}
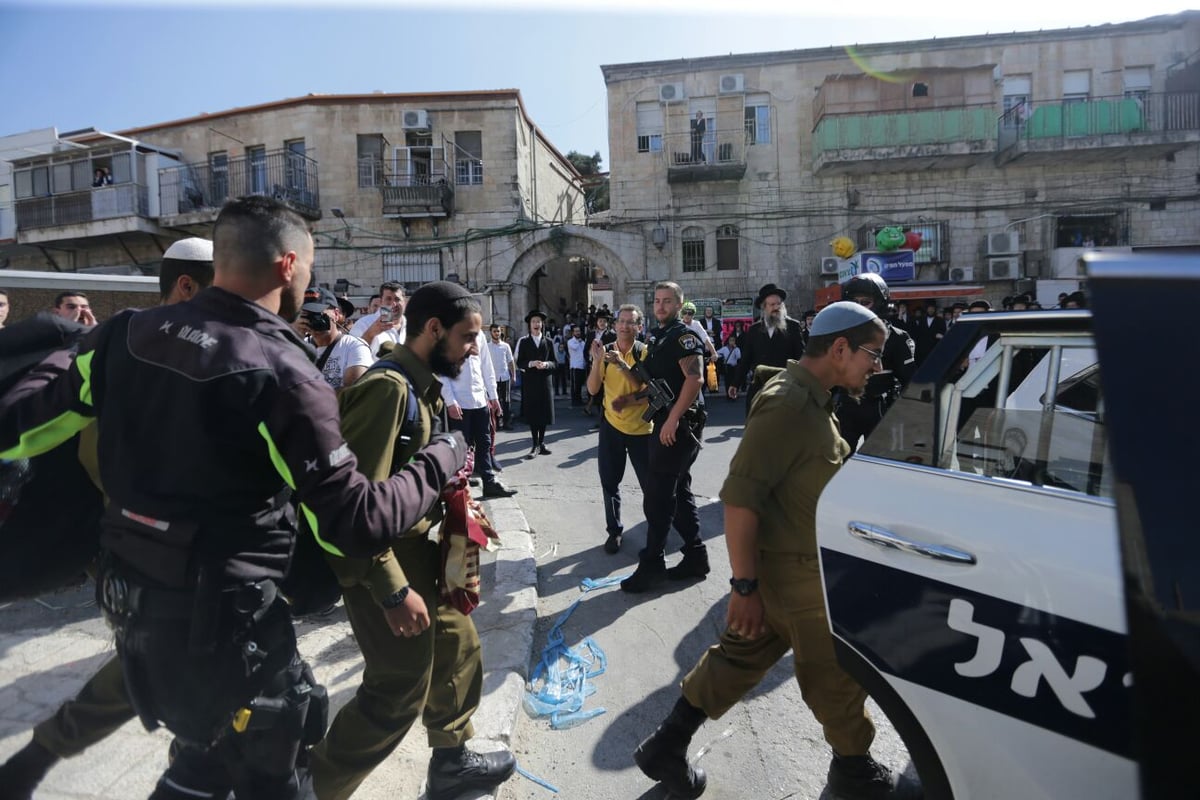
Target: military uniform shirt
{"x":789,"y":451}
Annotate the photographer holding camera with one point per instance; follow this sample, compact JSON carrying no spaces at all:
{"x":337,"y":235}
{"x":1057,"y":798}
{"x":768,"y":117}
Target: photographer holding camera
{"x":341,"y":358}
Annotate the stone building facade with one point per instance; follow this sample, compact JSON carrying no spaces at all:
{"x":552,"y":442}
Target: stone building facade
{"x":1012,"y":154}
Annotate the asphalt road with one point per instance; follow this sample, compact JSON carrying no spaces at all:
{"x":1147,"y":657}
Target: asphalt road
{"x":768,"y":747}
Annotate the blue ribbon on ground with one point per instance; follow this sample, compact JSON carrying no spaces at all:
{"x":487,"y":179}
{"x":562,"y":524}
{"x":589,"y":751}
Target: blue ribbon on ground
{"x":561,"y":680}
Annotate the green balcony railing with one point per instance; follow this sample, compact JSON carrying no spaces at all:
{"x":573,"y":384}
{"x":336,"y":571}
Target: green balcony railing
{"x":1100,"y":116}
{"x":904,"y":128}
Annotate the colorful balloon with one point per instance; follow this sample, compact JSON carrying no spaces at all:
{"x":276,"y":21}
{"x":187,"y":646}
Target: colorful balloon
{"x":912,"y":241}
{"x":843,"y":247}
{"x":888,"y":239}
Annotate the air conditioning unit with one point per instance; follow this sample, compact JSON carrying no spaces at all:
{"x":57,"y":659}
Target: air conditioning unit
{"x":731,"y":84}
{"x":830,"y":265}
{"x":414,"y":120}
{"x":671,"y":93}
{"x":1003,"y":243}
{"x":1004,"y":269}
{"x":962,"y":274}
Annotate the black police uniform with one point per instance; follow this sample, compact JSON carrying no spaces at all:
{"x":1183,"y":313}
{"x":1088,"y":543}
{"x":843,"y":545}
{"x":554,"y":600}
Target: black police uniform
{"x":858,"y":419}
{"x":668,"y":491}
{"x":199,"y":527}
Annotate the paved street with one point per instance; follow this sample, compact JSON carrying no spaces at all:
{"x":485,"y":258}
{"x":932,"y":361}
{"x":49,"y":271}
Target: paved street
{"x":774,"y":748}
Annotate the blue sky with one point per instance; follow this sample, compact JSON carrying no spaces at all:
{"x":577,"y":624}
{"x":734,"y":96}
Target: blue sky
{"x":75,"y":65}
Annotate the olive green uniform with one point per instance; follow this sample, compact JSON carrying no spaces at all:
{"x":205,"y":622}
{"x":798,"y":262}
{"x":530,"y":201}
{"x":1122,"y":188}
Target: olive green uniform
{"x":437,"y":675}
{"x":790,"y":450}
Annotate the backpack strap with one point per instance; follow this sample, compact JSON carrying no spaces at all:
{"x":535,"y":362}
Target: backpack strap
{"x":411,"y":410}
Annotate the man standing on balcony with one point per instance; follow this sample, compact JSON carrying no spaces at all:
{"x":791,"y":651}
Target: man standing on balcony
{"x":699,"y":127}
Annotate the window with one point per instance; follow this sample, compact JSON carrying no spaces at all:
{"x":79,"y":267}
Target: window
{"x":218,"y":171}
{"x":693,"y":249}
{"x":1048,"y":430}
{"x":61,"y":174}
{"x":412,"y":269}
{"x":933,"y":237}
{"x":1017,"y":94}
{"x":468,"y":158}
{"x":727,"y":247}
{"x":1077,"y":85}
{"x":758,"y":119}
{"x":296,"y":173}
{"x":371,"y":147}
{"x":256,"y":159}
{"x":920,"y":89}
{"x":1091,"y":230}
{"x":122,"y":168}
{"x":34,"y":182}
{"x":1137,"y":83}
{"x":649,"y":127}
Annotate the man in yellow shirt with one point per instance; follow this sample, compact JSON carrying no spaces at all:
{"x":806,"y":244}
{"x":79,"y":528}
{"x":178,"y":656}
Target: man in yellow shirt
{"x":622,"y":430}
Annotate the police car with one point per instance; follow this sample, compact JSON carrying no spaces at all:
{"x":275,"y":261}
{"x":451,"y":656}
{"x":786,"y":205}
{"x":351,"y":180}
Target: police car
{"x":972,"y":557}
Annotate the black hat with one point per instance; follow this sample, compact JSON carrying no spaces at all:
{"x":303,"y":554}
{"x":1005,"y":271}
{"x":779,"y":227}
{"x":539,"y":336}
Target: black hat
{"x":535,"y":313}
{"x":604,"y":312}
{"x":434,"y":298}
{"x":767,"y":291}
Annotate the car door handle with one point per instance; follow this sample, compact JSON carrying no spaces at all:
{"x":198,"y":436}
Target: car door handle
{"x":885,"y":538}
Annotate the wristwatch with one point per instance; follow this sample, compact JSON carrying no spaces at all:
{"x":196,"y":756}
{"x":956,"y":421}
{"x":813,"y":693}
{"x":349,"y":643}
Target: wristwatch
{"x":744,"y":586}
{"x":395,"y":599}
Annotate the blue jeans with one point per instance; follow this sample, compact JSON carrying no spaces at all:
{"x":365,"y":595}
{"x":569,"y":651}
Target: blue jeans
{"x":610,"y":457}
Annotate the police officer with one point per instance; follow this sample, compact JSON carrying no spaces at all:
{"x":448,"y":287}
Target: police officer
{"x":229,"y":418}
{"x":675,"y":358}
{"x":898,"y":361}
{"x":790,"y":451}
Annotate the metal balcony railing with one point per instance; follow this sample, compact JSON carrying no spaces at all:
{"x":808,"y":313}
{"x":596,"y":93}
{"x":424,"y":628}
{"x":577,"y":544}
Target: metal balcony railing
{"x":894,"y":129}
{"x":1140,"y":113}
{"x":88,"y":205}
{"x":206,"y":186}
{"x":418,"y":185}
{"x":715,"y":147}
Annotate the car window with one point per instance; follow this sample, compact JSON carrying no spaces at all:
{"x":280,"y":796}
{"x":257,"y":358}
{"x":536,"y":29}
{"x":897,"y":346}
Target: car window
{"x":1028,"y":410}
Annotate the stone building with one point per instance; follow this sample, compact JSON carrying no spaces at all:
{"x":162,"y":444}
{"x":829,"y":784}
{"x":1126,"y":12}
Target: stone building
{"x":1011,"y":154}
{"x":407,"y":187}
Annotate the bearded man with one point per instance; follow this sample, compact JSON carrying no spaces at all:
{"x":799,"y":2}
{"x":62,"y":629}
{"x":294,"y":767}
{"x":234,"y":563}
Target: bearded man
{"x":769,"y":342}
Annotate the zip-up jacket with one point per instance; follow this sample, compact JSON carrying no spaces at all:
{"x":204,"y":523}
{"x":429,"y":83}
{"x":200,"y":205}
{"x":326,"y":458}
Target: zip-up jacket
{"x":209,"y":411}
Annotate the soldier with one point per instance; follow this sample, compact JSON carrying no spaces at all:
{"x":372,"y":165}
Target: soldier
{"x":790,"y":450}
{"x":422,"y":655}
{"x":674,"y":358}
{"x":859,"y":417}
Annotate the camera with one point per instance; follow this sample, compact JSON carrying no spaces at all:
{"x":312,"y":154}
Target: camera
{"x":317,"y":321}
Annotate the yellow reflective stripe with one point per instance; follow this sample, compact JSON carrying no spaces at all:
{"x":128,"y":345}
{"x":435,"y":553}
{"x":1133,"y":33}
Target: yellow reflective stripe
{"x":47,"y":436}
{"x":282,"y":468}
{"x":83,"y":363}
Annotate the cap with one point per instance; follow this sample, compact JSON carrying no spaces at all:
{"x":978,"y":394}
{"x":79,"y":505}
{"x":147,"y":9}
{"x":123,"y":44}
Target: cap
{"x":840,"y":316}
{"x":767,"y":291}
{"x":191,"y":249}
{"x":433,"y":298}
{"x":317,"y":299}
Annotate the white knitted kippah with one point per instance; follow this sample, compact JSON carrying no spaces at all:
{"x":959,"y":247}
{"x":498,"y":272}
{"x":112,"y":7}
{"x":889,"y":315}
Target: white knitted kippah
{"x":191,"y":249}
{"x":840,"y":316}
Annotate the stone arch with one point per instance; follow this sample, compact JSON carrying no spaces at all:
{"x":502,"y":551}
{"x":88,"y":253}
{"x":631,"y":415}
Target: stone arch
{"x":612,"y":252}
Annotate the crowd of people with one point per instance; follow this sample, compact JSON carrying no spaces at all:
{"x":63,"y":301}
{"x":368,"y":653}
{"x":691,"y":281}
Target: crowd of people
{"x":359,"y":430}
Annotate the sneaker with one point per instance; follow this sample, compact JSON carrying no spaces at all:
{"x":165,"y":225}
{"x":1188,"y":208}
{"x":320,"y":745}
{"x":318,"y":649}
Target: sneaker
{"x":497,"y":489}
{"x":467,"y":770}
{"x":647,"y":575}
{"x":613,"y":544}
{"x":864,"y":778}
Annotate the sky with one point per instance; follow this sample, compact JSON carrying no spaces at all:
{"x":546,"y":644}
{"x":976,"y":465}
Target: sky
{"x":83,"y":64}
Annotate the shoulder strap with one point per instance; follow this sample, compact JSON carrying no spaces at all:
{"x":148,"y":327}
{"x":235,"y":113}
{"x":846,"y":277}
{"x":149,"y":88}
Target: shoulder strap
{"x":411,"y":410}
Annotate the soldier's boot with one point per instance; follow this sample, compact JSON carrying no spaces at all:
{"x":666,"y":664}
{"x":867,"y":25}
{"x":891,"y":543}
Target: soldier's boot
{"x":663,"y":755}
{"x":864,"y":778}
{"x":22,"y":773}
{"x":650,"y":572}
{"x":693,"y":565}
{"x":454,"y":770}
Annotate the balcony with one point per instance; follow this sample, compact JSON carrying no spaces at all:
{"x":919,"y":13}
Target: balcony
{"x":904,"y":141}
{"x":720,"y":155}
{"x":115,"y":204}
{"x":1142,"y":126}
{"x":417,"y":187}
{"x":193,"y":194}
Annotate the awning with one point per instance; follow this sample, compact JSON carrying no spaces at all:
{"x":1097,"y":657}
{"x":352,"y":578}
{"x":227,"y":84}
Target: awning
{"x":935,"y":291}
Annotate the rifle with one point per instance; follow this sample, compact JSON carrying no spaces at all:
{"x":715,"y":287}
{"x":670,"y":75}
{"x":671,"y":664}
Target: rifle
{"x":656,"y":392}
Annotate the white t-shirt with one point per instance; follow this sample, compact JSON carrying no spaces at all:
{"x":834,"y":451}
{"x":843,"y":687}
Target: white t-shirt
{"x":346,"y":351}
{"x":395,"y":336}
{"x":359,"y":328}
{"x":577,"y":348}
{"x":732,"y":357}
{"x":501,"y":357}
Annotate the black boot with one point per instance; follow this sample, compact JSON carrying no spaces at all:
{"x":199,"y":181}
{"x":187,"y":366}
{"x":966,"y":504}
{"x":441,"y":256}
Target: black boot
{"x":454,"y":770}
{"x":21,"y":774}
{"x":663,"y":755}
{"x":650,"y":572}
{"x":693,"y":565}
{"x":864,"y":778}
